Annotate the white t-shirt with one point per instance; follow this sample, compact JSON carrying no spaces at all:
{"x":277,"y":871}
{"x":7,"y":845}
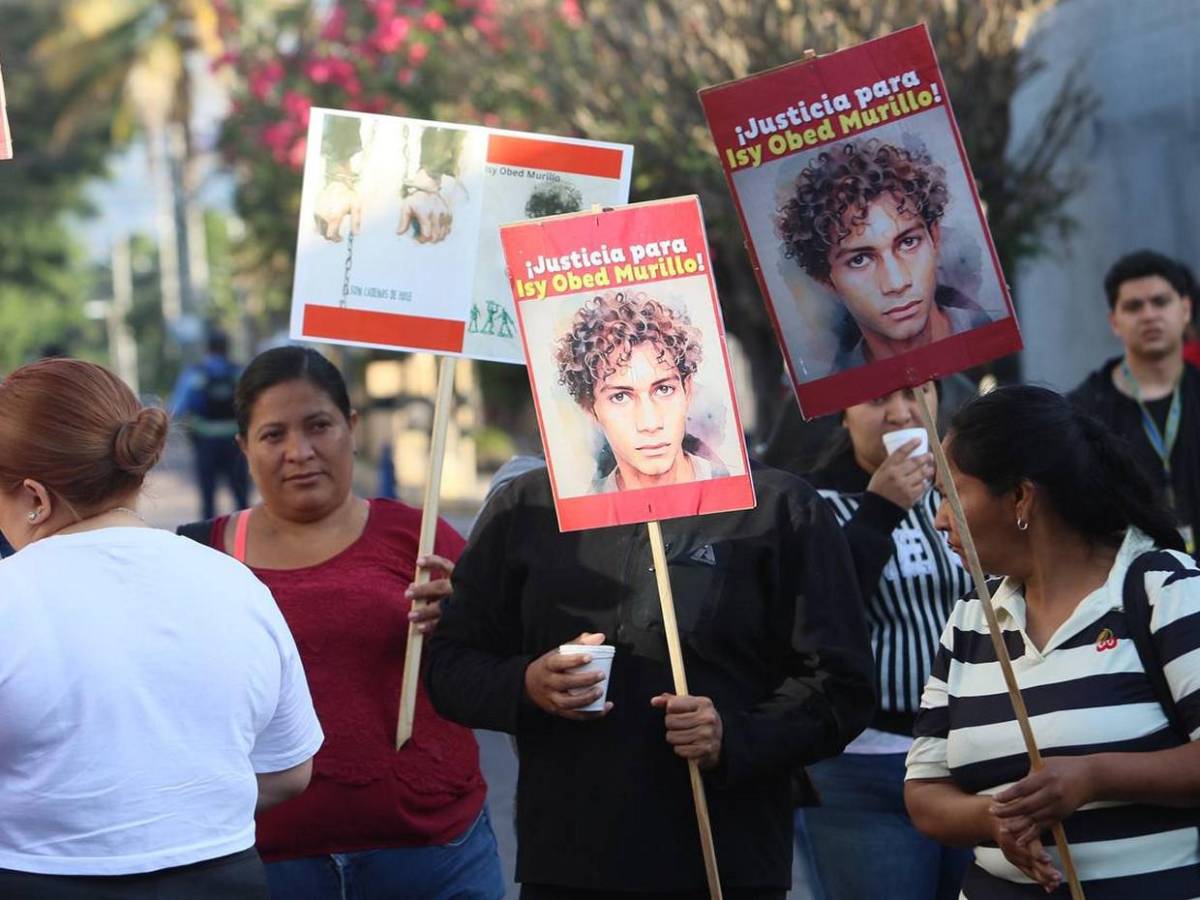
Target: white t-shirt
{"x":144,"y":680}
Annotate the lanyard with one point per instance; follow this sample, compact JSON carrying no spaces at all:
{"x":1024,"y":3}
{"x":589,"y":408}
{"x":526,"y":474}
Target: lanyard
{"x":1163,"y":444}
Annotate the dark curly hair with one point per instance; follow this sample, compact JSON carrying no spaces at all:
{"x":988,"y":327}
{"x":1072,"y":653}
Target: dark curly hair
{"x":847,"y":179}
{"x":605,"y":332}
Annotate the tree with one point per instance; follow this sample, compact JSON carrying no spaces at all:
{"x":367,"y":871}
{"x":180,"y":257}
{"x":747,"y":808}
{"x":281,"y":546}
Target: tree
{"x":44,"y":279}
{"x":629,"y":71}
{"x":377,"y":56}
{"x":132,"y":57}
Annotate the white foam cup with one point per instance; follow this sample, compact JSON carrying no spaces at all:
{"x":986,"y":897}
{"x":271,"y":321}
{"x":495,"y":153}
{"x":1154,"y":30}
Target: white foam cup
{"x":602,"y":657}
{"x":894,"y":440}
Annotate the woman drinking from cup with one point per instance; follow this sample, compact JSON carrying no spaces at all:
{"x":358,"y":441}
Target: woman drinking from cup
{"x":1101,"y":616}
{"x":877,"y":476}
{"x":394,"y":824}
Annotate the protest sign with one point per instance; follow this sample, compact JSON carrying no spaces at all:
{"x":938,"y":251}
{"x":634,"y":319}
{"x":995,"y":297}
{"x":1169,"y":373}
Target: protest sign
{"x":6,"y":150}
{"x":862,"y":221}
{"x":627,"y":359}
{"x":398,"y":247}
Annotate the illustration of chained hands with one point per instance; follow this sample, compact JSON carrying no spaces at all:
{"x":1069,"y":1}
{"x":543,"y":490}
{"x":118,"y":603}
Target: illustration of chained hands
{"x":426,"y":208}
{"x":337,"y":202}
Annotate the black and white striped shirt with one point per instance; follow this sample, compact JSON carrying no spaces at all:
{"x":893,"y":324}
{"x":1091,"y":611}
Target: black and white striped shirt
{"x":1086,"y":692}
{"x":914,"y":580}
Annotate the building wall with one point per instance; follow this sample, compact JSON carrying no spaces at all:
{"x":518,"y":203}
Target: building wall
{"x":1141,"y":155}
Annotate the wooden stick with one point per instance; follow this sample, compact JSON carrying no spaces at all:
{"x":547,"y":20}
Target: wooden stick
{"x":442,"y":408}
{"x":928,"y":409}
{"x":675,"y":651}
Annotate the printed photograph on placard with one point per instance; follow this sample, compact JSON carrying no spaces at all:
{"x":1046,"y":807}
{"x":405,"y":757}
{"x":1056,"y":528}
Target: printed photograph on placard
{"x":627,"y":359}
{"x":398,"y":243}
{"x":862,"y":220}
{"x":637,"y":392}
{"x":514,"y":193}
{"x":413,"y":193}
{"x":874,"y":247}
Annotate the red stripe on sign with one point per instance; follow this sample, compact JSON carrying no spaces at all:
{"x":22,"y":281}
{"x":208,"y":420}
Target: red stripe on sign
{"x":697,"y":498}
{"x":337,"y":323}
{"x":555,"y":156}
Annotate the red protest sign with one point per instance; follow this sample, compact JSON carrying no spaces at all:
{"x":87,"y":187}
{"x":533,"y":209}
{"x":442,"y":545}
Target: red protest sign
{"x":627,"y":359}
{"x":862,"y":220}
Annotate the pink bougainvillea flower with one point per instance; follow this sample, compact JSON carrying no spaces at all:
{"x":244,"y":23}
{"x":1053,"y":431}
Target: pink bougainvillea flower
{"x":264,"y":78}
{"x":417,"y":53}
{"x":319,"y":70}
{"x":297,"y":107}
{"x":279,"y":137}
{"x":571,"y":12}
{"x":384,"y":9}
{"x":390,"y":34}
{"x":433,"y":21}
{"x":295,"y":156}
{"x":335,"y":26}
{"x":405,"y":76}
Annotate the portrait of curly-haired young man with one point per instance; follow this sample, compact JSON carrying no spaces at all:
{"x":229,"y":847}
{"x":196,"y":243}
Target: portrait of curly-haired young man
{"x":629,"y":362}
{"x":864,"y":219}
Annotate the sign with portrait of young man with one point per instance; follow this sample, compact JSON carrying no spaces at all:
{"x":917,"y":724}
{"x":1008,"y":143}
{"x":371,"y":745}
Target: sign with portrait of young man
{"x":862,"y":220}
{"x":398,"y":242}
{"x":626,"y":353}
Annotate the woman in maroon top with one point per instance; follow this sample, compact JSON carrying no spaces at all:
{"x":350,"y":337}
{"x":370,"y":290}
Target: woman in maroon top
{"x":392,"y":824}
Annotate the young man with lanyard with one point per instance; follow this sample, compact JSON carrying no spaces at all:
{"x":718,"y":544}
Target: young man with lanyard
{"x":1150,"y":395}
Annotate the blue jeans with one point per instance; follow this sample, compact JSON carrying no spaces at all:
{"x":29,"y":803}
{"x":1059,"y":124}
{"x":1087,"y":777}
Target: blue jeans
{"x":467,"y":868}
{"x":863,"y":844}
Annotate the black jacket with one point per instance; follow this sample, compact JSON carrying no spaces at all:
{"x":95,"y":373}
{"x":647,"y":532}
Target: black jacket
{"x":772,"y":631}
{"x":1100,"y":397}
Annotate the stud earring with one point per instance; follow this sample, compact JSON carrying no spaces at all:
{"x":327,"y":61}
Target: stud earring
{"x":33,"y":516}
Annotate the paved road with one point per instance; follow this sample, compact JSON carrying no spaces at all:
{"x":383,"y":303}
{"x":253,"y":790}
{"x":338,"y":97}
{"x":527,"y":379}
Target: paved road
{"x":171,"y":498}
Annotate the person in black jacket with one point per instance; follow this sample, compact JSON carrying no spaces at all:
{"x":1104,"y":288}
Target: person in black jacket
{"x":1150,"y":395}
{"x":777,"y":658}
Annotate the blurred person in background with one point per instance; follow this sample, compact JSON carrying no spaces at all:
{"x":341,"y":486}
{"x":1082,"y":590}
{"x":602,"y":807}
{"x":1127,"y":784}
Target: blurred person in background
{"x":203,"y":400}
{"x":150,"y":692}
{"x":1149,"y":395}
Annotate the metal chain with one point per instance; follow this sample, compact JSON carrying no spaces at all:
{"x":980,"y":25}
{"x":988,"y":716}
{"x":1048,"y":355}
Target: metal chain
{"x":349,"y":264}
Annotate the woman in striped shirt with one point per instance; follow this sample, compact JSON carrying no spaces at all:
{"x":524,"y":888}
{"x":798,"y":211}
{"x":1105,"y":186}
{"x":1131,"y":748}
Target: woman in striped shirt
{"x":1057,"y":505}
{"x":863,"y":843}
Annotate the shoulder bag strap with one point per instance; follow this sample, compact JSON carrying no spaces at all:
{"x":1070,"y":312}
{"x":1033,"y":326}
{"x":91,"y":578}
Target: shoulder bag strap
{"x":1137,"y":614}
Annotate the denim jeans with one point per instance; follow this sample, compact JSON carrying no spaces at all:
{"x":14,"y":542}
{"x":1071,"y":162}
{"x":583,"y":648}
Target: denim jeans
{"x":467,"y":868}
{"x":863,"y":844}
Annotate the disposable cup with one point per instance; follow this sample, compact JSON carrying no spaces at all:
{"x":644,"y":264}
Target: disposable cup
{"x":602,"y":657}
{"x":894,"y":440}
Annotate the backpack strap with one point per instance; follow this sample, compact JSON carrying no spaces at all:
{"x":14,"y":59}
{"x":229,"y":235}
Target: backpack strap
{"x":1137,"y":615}
{"x":241,"y":525}
{"x":200,"y":532}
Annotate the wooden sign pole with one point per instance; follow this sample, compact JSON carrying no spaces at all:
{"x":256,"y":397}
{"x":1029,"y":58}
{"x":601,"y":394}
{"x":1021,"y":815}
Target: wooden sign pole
{"x":675,"y":651}
{"x":928,"y":409}
{"x":442,"y":409}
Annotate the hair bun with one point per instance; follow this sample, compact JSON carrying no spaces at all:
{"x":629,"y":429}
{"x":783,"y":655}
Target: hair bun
{"x":139,"y":442}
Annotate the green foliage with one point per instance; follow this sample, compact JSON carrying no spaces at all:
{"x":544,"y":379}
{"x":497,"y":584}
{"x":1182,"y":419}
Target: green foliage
{"x":43,"y":274}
